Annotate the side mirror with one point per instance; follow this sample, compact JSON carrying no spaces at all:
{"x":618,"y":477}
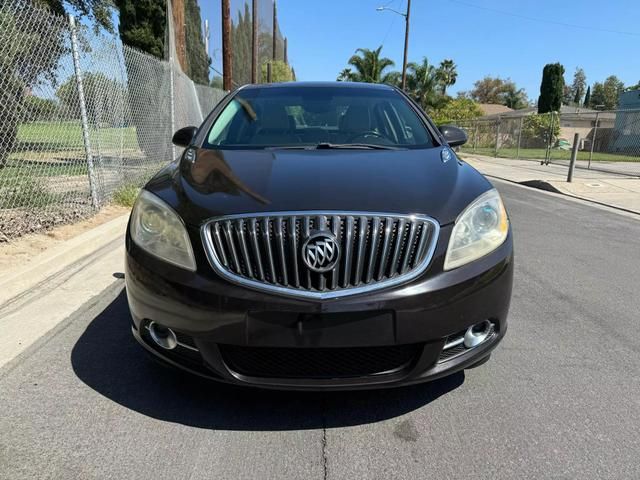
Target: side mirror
{"x":184,"y":136}
{"x":453,"y":135}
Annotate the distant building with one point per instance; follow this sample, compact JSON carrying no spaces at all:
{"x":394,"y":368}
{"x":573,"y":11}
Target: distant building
{"x":489,"y":109}
{"x":626,"y":132}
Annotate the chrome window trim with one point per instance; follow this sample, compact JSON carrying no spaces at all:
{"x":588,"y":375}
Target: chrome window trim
{"x":208,"y":243}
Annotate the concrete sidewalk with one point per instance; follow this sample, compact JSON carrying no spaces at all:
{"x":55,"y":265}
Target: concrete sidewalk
{"x":36,"y":297}
{"x":619,"y":191}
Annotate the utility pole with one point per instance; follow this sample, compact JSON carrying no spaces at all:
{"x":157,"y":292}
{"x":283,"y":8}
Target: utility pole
{"x":227,"y":73}
{"x":406,"y":16}
{"x":275,"y":30}
{"x":207,"y":35}
{"x":254,"y":41}
{"x":406,"y":45}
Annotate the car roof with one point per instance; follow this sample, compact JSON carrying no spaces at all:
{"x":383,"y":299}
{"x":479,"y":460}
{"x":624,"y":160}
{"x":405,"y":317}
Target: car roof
{"x":358,"y":85}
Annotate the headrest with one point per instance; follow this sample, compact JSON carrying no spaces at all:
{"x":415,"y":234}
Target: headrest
{"x":356,"y":119}
{"x":274,"y":117}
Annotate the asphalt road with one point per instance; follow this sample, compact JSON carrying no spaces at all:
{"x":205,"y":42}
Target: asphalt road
{"x":560,"y":397}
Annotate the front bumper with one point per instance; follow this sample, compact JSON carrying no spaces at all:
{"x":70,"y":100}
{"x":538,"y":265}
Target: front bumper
{"x":214,"y":317}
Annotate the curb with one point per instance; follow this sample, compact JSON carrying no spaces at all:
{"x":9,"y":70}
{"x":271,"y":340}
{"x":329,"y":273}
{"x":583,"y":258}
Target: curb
{"x":47,"y":264}
{"x":547,"y":187}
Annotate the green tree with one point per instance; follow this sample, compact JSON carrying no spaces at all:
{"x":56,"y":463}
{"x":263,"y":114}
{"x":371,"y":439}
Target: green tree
{"x":578,"y":86}
{"x":23,"y":66}
{"x":551,"y":88}
{"x":455,"y":110}
{"x":142,"y":24}
{"x":538,"y":130}
{"x":216,"y":82}
{"x":241,"y":38}
{"x":587,"y":97}
{"x":280,"y":72}
{"x":424,"y":84}
{"x":597,"y":99}
{"x":513,"y":97}
{"x":198,"y":61}
{"x":39,"y":109}
{"x":346,"y":75}
{"x":613,"y":87}
{"x":100,"y":90}
{"x":498,"y":91}
{"x":370,"y":67}
{"x":633,"y":87}
{"x":448,"y":74}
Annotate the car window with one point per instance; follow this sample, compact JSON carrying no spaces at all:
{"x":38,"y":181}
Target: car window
{"x":299,"y":116}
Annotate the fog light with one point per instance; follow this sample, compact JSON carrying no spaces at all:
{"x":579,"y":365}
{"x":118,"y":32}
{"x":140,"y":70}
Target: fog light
{"x":478,"y":333}
{"x":163,"y":336}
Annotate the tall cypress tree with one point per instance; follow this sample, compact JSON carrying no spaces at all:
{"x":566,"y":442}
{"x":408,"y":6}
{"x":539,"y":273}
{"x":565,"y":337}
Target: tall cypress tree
{"x":551,"y":88}
{"x":587,"y":97}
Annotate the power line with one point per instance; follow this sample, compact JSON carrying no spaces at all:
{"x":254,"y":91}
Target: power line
{"x":544,"y":20}
{"x":393,"y":21}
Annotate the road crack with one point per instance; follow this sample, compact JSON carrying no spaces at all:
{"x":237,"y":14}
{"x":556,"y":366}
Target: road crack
{"x":324,"y":437}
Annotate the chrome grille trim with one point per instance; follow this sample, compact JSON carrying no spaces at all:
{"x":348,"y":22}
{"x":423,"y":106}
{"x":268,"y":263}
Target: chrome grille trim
{"x":260,"y":250}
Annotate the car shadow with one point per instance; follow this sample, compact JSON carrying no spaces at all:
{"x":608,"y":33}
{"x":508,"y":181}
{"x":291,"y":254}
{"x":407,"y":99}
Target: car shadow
{"x":109,"y":360}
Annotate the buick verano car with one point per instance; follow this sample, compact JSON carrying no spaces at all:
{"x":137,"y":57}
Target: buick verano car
{"x":319,"y":236}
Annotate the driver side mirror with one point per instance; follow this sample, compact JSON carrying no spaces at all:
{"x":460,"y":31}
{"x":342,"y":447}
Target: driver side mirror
{"x":454,"y":136}
{"x":184,"y":136}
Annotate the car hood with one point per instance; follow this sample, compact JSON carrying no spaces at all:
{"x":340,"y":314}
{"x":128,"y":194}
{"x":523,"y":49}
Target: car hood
{"x":224,"y":182}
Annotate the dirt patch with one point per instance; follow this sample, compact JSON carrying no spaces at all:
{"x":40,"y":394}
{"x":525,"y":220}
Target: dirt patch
{"x":20,"y":251}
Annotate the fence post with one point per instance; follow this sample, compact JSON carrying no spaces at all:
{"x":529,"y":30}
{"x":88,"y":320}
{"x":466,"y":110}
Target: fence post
{"x":475,"y":138}
{"x":547,"y":156}
{"x":519,"y":138}
{"x":172,"y":106}
{"x":95,"y":201}
{"x":268,"y":72}
{"x":574,"y":156}
{"x":593,"y":140}
{"x":497,"y":136}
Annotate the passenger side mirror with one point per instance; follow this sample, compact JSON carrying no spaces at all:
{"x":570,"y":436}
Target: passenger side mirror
{"x":184,"y":136}
{"x":453,"y":135}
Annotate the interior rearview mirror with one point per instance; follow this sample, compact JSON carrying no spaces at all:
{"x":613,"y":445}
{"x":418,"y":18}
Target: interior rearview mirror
{"x":184,"y":136}
{"x":454,"y":136}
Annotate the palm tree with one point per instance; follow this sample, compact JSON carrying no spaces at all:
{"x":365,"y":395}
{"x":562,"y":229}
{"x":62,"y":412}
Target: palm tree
{"x":424,"y":84}
{"x":346,"y":75}
{"x":448,"y":74}
{"x":515,"y":99}
{"x":369,"y":67}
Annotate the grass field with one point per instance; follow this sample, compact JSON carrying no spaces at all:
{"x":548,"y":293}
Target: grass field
{"x":55,"y":136}
{"x":556,"y":154}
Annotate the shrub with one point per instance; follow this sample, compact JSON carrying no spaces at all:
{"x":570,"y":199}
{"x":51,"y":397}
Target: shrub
{"x":126,"y":195}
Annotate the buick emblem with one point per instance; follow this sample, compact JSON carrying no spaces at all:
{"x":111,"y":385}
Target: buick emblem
{"x":320,"y":252}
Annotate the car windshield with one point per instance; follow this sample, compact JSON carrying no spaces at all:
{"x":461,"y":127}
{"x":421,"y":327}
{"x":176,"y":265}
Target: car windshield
{"x":318,"y":117}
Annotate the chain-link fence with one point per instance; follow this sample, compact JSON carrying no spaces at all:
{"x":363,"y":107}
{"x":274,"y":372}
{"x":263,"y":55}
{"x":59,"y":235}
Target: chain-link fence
{"x":609,"y":140}
{"x":81,"y":116}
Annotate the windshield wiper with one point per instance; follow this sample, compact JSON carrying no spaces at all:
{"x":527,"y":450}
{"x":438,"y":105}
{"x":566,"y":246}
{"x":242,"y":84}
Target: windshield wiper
{"x":336,"y":146}
{"x":354,"y":146}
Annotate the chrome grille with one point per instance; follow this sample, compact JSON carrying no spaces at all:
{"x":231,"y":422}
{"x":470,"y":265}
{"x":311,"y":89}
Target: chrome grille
{"x":264,"y":251}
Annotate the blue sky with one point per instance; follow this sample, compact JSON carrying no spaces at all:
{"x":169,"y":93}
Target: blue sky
{"x":323,"y":34}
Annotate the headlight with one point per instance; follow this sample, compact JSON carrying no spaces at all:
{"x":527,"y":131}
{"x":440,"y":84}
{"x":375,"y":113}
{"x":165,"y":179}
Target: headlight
{"x":479,"y":229}
{"x":156,"y":228}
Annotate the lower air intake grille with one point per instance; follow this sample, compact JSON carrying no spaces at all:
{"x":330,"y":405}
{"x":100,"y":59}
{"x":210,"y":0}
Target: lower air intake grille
{"x":318,"y":363}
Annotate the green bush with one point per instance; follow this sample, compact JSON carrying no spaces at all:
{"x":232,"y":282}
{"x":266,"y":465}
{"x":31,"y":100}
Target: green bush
{"x":456,"y":110}
{"x":537,"y":130}
{"x":126,"y":195}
